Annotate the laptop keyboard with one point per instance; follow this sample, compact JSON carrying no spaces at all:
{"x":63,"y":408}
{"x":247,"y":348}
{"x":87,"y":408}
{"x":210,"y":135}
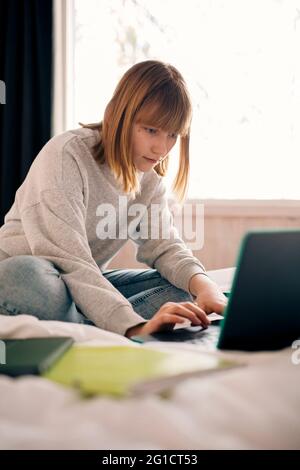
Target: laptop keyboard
{"x":205,"y":339}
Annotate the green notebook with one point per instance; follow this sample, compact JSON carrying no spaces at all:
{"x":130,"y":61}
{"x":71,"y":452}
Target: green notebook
{"x":31,"y":355}
{"x":127,"y":370}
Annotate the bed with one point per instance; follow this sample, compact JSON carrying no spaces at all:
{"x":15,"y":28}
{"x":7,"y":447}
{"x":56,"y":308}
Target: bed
{"x":252,"y":407}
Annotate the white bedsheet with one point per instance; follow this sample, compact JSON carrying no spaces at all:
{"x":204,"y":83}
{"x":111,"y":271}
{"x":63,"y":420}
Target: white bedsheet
{"x":253,"y":407}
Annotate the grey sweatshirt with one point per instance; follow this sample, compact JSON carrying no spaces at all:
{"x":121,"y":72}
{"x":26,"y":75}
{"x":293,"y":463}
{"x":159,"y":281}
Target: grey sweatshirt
{"x":59,"y":213}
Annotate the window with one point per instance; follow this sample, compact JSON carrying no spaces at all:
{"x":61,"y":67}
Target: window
{"x":240,"y":59}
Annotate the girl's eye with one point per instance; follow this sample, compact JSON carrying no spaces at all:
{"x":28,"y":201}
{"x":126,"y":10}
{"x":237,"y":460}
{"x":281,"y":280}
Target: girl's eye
{"x":150,"y":130}
{"x":153,"y":131}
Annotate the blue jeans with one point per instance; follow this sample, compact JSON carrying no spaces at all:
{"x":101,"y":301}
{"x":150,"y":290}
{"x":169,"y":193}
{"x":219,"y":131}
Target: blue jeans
{"x":33,"y":285}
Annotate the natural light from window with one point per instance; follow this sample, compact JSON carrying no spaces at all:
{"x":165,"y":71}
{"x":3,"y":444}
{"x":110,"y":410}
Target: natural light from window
{"x":240,"y":59}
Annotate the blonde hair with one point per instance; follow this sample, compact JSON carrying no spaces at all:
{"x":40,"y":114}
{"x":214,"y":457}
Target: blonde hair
{"x":152,"y":92}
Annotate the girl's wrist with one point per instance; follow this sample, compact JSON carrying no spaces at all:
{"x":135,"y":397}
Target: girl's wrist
{"x":198,"y":282}
{"x":134,"y":330}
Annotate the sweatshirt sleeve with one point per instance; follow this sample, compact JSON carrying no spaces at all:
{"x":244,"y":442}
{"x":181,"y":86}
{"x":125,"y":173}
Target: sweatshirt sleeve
{"x":167,"y":253}
{"x":55,"y":230}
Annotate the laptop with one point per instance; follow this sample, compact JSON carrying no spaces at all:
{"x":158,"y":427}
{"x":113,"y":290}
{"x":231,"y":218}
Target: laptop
{"x":32,"y":355}
{"x":263,"y":310}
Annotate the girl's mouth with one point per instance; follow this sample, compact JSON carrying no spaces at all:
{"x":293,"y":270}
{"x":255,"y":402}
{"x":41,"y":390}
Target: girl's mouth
{"x":150,"y":160}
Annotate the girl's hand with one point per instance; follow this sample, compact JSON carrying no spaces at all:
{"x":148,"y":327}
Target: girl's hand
{"x":210,"y":298}
{"x":168,"y":315}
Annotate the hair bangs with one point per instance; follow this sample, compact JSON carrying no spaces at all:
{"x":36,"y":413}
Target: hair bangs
{"x":168,"y":109}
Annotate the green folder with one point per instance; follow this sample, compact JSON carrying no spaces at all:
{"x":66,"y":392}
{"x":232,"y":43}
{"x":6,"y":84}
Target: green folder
{"x":126,"y":370}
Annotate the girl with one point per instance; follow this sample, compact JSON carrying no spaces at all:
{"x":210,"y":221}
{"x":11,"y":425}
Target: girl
{"x":54,"y":244}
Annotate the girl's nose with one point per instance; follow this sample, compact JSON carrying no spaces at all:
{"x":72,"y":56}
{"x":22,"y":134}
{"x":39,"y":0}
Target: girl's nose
{"x":159,"y":147}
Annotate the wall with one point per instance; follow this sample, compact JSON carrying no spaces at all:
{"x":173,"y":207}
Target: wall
{"x":225,"y":223}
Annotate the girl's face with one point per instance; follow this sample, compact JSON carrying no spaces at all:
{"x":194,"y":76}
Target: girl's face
{"x":149,"y":145}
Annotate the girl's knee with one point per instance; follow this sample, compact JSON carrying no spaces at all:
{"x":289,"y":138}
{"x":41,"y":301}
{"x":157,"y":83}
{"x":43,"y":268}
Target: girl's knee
{"x":33,"y":285}
{"x":25,"y":267}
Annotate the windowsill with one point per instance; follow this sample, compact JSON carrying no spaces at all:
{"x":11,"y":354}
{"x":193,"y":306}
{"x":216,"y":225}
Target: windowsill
{"x":249,"y":207}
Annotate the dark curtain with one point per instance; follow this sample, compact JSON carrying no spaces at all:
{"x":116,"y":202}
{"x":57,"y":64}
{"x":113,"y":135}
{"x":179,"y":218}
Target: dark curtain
{"x":26,"y":69}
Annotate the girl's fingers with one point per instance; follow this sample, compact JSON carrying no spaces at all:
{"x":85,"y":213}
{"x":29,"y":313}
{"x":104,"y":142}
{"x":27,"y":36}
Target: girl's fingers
{"x":166,"y":318}
{"x":194,"y":314}
{"x":220,"y":306}
{"x":198,"y":313}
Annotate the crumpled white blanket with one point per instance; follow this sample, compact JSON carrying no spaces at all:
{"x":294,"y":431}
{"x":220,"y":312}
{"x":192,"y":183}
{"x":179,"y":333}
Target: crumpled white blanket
{"x":253,"y":407}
